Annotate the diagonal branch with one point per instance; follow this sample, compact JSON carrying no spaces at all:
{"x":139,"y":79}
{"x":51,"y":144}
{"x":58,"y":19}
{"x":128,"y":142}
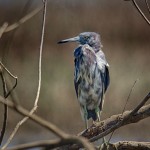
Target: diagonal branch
{"x":148,"y":8}
{"x":140,"y":11}
{"x":3,"y":28}
{"x":105,"y":127}
{"x":23,"y":20}
{"x":61,"y":134}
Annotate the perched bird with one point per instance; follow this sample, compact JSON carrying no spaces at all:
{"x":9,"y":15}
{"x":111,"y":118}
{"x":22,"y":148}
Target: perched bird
{"x":91,"y":75}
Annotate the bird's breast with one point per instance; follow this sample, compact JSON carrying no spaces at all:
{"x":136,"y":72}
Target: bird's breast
{"x":90,"y":86}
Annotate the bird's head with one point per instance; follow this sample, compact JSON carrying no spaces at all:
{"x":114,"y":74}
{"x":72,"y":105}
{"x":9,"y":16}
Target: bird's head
{"x":90,"y":38}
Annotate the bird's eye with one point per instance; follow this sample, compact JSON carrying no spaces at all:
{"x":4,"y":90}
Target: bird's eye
{"x":86,"y":37}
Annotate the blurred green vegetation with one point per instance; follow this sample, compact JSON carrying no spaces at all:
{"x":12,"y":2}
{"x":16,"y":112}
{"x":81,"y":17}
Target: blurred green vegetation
{"x":126,"y":43}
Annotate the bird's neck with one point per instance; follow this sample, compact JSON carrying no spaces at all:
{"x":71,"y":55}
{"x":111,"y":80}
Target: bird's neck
{"x":96,"y":47}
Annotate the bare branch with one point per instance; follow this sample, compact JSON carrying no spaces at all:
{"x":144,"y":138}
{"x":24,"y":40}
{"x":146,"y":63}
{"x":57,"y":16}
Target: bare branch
{"x":5,"y":106}
{"x":3,"y":28}
{"x":61,"y":134}
{"x":24,"y":19}
{"x":129,"y":145}
{"x":125,"y":104}
{"x":39,"y":72}
{"x":140,"y":105}
{"x":148,"y":8}
{"x":140,"y":11}
{"x":50,"y":144}
{"x":105,"y":127}
{"x":6,"y":94}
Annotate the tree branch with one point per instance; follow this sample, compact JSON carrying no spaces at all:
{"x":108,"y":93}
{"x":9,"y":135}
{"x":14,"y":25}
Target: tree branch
{"x":39,"y":70}
{"x":128,"y":145}
{"x":3,"y":28}
{"x":98,"y":130}
{"x":6,"y":93}
{"x":23,"y":20}
{"x":58,"y":132}
{"x":49,"y":144}
{"x":140,"y":11}
{"x":105,"y":127}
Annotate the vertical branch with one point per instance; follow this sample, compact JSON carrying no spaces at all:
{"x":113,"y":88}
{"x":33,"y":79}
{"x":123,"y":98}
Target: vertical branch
{"x":5,"y":106}
{"x":6,"y":94}
{"x":39,"y":82}
{"x":41,"y":49}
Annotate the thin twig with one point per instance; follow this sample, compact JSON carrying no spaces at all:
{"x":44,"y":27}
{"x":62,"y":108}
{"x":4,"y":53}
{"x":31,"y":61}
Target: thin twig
{"x":3,"y":28}
{"x":61,"y":134}
{"x":125,"y":104}
{"x":15,"y":77}
{"x":140,"y":11}
{"x":5,"y":106}
{"x":39,"y":77}
{"x":148,"y":8}
{"x":6,"y":94}
{"x":11,"y":75}
{"x":129,"y":95}
{"x":24,"y":19}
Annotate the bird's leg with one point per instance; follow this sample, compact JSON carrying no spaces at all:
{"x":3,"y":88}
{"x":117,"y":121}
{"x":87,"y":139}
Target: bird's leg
{"x":97,"y":113}
{"x":85,"y":117}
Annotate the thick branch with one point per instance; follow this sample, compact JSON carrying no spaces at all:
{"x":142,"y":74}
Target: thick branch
{"x":61,"y":134}
{"x":50,"y":144}
{"x":105,"y":127}
{"x":129,"y":145}
{"x":122,"y":145}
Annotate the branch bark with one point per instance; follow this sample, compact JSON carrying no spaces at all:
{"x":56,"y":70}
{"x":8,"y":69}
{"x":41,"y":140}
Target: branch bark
{"x":128,"y":145}
{"x":58,"y":132}
{"x":95,"y":132}
{"x":105,"y":127}
{"x":122,"y":145}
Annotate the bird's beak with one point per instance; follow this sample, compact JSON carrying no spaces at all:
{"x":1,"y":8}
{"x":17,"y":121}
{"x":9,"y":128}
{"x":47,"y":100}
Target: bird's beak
{"x":74,"y":39}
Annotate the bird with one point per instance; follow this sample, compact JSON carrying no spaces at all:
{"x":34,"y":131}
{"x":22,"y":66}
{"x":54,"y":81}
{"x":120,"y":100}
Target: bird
{"x":91,"y":74}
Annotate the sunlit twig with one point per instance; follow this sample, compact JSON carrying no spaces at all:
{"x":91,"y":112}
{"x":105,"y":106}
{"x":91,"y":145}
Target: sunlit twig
{"x":140,"y":11}
{"x":39,"y":72}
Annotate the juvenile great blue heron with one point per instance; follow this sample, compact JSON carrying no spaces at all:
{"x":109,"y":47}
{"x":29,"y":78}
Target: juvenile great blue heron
{"x":91,"y":76}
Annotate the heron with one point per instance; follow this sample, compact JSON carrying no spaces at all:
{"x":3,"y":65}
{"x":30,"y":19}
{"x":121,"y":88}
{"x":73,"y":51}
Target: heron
{"x":91,"y":74}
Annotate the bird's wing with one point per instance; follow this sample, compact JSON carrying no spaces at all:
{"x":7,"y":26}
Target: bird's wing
{"x":89,"y":53}
{"x":103,"y":66}
{"x":76,"y":76}
{"x":77,"y":55}
{"x":106,"y":78}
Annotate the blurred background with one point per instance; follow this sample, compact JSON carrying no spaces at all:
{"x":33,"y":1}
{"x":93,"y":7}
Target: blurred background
{"x":126,"y":43}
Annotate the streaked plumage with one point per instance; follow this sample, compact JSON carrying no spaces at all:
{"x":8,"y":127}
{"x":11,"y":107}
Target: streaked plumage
{"x":91,"y":76}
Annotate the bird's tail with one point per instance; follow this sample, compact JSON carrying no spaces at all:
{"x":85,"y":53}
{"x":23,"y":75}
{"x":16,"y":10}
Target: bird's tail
{"x":92,"y":114}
